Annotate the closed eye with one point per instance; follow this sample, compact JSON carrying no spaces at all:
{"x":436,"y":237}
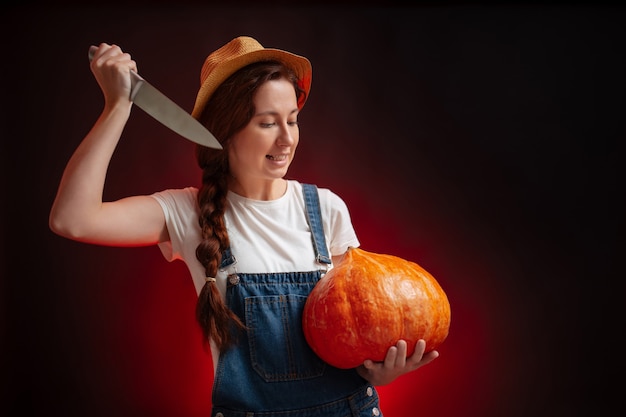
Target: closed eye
{"x":268,"y":125}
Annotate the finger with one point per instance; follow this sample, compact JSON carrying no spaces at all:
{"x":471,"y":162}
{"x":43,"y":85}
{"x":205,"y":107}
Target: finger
{"x":115,"y":55}
{"x":420,"y":347}
{"x":390,"y":358}
{"x":96,"y":54}
{"x":110,"y":51}
{"x":424,"y":359}
{"x":401,"y":353}
{"x":417,"y":355}
{"x":429,"y":357}
{"x":368,"y":364}
{"x":124,"y":57}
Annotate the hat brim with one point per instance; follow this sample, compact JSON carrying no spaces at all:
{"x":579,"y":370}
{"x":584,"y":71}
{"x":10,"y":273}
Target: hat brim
{"x":300,"y":65}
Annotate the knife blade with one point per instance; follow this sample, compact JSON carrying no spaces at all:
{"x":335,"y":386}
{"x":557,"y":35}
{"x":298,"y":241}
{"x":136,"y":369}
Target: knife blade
{"x":163,"y":109}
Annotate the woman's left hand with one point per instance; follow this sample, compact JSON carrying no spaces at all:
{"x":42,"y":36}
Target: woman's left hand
{"x":396,"y":363}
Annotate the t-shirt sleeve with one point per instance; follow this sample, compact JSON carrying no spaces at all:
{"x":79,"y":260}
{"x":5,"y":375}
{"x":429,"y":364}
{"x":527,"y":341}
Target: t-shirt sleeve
{"x":179,"y":208}
{"x":338,"y":226}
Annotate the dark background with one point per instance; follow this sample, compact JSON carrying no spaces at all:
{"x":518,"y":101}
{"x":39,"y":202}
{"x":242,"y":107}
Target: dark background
{"x":484,"y":142}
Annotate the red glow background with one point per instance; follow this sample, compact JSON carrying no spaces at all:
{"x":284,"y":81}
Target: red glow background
{"x":480,"y":142}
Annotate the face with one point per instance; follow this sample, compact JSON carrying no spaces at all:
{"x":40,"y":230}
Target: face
{"x":264,"y":149}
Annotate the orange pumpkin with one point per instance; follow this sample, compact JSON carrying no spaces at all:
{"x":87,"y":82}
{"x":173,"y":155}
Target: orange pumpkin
{"x":367,"y":302}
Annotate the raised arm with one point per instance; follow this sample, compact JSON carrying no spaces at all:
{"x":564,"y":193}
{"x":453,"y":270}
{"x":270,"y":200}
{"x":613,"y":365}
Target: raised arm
{"x":78,"y":211}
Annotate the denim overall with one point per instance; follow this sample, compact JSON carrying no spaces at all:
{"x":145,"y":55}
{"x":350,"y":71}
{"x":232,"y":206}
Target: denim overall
{"x":271,"y":371}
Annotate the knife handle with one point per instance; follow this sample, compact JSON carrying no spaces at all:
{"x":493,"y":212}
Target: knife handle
{"x":135,"y":79}
{"x":92,"y":51}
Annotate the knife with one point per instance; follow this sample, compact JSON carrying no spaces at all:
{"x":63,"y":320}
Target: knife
{"x":160,"y":107}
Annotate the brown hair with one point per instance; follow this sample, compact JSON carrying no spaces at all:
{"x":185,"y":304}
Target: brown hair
{"x":228,"y":111}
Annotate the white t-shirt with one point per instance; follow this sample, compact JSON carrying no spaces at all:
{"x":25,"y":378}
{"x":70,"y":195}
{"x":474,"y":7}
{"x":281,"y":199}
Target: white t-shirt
{"x":265,"y":236}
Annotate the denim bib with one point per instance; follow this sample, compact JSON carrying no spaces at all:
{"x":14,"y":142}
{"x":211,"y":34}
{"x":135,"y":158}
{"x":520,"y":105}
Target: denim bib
{"x":272,"y":371}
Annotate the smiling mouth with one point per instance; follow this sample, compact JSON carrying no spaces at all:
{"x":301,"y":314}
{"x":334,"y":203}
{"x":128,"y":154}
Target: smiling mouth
{"x":276,"y":157}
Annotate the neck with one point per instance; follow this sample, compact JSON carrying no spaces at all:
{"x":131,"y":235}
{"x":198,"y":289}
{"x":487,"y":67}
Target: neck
{"x":264,"y":190}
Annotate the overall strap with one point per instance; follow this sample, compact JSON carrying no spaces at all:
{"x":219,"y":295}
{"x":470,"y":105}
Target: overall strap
{"x":227,"y":259}
{"x":314,"y":218}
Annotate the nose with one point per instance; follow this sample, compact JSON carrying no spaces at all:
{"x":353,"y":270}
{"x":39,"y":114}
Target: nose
{"x":287,"y":135}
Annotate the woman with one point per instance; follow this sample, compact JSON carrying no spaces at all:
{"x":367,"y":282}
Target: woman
{"x":245,"y":235}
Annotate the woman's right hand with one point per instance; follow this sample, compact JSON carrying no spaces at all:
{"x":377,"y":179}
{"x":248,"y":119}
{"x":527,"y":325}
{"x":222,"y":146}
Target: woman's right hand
{"x":111,"y":67}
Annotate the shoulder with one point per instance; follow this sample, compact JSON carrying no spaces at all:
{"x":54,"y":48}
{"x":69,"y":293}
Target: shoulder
{"x":177,"y":199}
{"x":177,"y":193}
{"x":328,"y":198}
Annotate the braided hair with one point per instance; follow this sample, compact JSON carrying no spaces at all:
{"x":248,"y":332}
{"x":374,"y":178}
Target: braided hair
{"x":228,"y":111}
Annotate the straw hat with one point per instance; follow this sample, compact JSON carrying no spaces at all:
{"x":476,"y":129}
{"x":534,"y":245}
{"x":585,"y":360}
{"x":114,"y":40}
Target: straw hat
{"x":238,"y":53}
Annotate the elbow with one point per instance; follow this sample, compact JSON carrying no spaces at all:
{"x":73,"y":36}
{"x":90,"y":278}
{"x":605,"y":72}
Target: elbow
{"x":63,"y":226}
{"x":56,"y":224}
